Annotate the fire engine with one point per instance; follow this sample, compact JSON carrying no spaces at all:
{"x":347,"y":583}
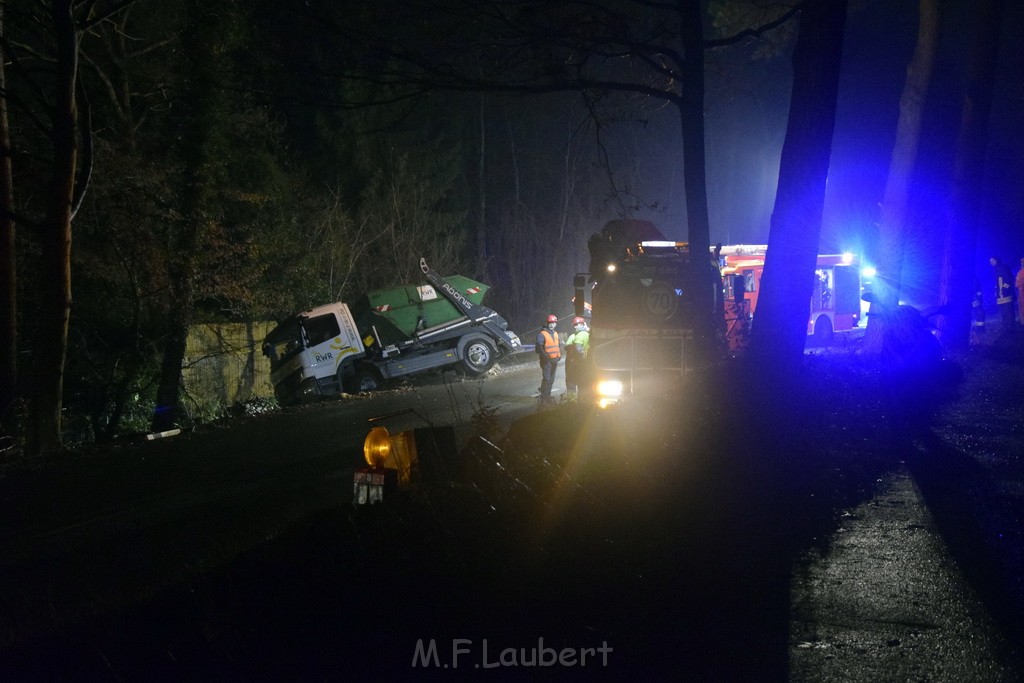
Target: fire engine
{"x":642,"y":307}
{"x":835,"y":301}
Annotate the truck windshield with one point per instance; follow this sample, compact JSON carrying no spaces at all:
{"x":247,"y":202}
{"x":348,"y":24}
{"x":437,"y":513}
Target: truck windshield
{"x":286,"y":340}
{"x":320,"y":328}
{"x":283,"y":342}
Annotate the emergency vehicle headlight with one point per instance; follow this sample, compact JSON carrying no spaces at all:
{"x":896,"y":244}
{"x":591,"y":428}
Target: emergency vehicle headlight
{"x":608,"y":392}
{"x":610,"y":388}
{"x":868,"y":272}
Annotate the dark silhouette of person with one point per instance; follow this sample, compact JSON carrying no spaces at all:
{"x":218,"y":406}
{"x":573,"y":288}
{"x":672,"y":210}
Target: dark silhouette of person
{"x":1004,"y":293}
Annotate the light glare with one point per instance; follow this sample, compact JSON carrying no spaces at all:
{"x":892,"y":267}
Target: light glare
{"x":609,"y":388}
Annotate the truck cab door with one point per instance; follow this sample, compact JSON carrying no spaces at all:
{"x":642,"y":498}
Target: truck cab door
{"x":331,"y":340}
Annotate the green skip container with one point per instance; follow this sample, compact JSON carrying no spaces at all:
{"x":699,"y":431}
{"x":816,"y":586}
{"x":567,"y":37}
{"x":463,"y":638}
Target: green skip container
{"x":407,"y":305}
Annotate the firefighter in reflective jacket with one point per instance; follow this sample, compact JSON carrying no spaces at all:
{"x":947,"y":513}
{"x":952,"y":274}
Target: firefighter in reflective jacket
{"x":577,"y":345}
{"x":549,"y":352}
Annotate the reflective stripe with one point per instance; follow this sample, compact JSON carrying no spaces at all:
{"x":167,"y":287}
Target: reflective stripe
{"x":551,"y":344}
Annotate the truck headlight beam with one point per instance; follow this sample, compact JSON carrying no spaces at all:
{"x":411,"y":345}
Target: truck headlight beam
{"x":609,"y":392}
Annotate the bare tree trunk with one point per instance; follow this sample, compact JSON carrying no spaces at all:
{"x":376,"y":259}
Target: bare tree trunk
{"x":107,"y":432}
{"x":50,"y":345}
{"x":168,"y":395}
{"x":780,"y":327}
{"x":691,"y":111}
{"x":198,"y":169}
{"x":481,"y":188}
{"x":8,"y":267}
{"x":517,"y":197}
{"x":904,"y":156}
{"x":956,"y":286}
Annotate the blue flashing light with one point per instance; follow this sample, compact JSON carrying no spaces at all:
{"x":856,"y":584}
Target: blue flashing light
{"x":868,"y":272}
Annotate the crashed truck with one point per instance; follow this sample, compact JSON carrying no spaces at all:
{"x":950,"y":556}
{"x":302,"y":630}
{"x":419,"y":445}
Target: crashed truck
{"x":384,"y":334}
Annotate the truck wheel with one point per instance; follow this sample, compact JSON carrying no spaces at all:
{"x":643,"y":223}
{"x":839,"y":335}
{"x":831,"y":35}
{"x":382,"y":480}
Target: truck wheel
{"x":478,"y":357}
{"x":362,"y":381}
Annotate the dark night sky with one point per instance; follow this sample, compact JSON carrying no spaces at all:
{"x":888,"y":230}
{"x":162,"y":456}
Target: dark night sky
{"x":746,"y":116}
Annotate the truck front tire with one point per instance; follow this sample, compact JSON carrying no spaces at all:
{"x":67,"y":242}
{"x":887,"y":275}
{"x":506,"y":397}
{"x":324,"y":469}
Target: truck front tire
{"x":478,"y":357}
{"x":364,"y":379}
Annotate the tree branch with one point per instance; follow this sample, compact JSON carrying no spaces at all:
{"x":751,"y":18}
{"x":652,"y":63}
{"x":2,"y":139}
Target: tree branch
{"x":21,"y":220}
{"x":754,"y":32}
{"x":85,"y":167}
{"x":87,"y":24}
{"x":107,"y":83}
{"x":19,"y":68}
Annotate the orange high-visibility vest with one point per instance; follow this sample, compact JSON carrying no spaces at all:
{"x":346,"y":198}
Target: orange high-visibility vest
{"x":551,"y":344}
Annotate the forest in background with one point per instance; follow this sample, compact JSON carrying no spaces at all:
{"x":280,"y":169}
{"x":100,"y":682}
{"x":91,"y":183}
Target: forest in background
{"x":301,"y":201}
{"x":241,"y":167}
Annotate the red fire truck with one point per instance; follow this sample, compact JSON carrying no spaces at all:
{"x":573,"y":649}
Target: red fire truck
{"x":642,"y":315}
{"x":835,"y":302}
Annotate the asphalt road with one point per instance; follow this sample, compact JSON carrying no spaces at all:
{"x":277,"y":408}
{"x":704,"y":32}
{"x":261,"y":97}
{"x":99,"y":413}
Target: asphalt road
{"x":890,"y":594}
{"x":887,"y":601}
{"x":193,"y":501}
{"x":924,"y":579}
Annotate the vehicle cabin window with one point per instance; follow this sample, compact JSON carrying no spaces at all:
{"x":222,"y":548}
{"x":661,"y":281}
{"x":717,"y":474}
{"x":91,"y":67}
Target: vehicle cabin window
{"x":320,"y":329}
{"x":822,"y":299}
{"x":749,"y":284}
{"x":729,"y":288}
{"x":283,"y":343}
